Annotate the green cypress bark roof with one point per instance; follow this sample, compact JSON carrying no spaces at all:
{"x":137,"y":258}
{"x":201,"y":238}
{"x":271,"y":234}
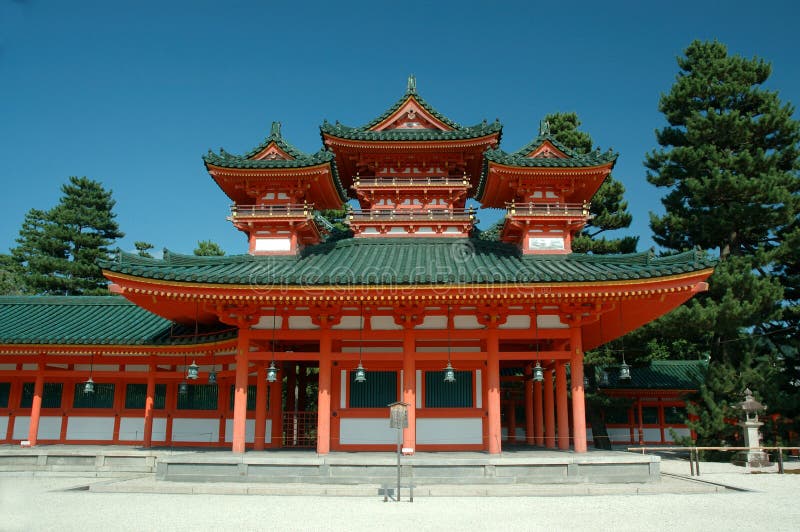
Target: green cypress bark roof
{"x":91,"y":320}
{"x":407,"y":261}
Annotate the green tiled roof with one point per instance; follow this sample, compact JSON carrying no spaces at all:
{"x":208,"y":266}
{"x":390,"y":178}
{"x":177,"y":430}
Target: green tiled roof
{"x":363,"y":133}
{"x":519,"y":158}
{"x":406,"y":261}
{"x":87,"y":320}
{"x":301,"y":159}
{"x":661,"y":375}
{"x":358,"y":133}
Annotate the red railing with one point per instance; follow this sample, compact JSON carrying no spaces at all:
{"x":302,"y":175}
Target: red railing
{"x":292,"y":210}
{"x":548,"y":209}
{"x":460,"y":181}
{"x":387,"y":215}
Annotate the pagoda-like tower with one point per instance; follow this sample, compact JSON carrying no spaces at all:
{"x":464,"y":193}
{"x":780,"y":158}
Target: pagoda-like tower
{"x":545,"y":188}
{"x":275,"y":189}
{"x":411,"y":169}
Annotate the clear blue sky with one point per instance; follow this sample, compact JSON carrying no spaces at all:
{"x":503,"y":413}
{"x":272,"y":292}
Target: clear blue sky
{"x":132,"y":93}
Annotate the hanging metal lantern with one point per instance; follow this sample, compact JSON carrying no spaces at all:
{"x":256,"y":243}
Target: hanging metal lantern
{"x":212,"y":376}
{"x":361,"y":375}
{"x":624,"y":371}
{"x":192,"y":371}
{"x":449,"y":373}
{"x":183,"y":388}
{"x":88,"y":386}
{"x":272,"y":372}
{"x":538,"y":372}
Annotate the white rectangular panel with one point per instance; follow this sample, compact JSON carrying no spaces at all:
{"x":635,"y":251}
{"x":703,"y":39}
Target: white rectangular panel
{"x":195,"y":430}
{"x":90,"y":428}
{"x":450,"y":431}
{"x":365,"y":431}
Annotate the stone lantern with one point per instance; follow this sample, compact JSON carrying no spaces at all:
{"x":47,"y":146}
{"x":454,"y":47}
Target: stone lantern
{"x":754,"y":456}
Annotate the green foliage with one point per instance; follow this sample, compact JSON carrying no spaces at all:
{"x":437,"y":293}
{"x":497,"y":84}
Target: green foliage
{"x":143,"y":249}
{"x":58,"y":249}
{"x":729,"y":164}
{"x":12,"y":282}
{"x":207,"y":248}
{"x":608,"y":208}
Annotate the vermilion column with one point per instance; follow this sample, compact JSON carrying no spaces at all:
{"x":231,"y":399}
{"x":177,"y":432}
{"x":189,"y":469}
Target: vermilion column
{"x":561,"y":405}
{"x":578,"y":400}
{"x":149,"y":404}
{"x":549,"y":412}
{"x":529,"y":436}
{"x":538,"y":418}
{"x":276,"y":413}
{"x":493,"y":389}
{"x":261,"y":407}
{"x":36,"y":407}
{"x":240,"y":391}
{"x":410,"y":386}
{"x":324,"y":396}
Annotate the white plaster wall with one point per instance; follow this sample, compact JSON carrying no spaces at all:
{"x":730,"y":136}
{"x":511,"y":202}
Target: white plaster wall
{"x":273,"y":244}
{"x":478,"y":389}
{"x":354,"y":431}
{"x":249,"y":431}
{"x":651,"y":434}
{"x":131,"y":428}
{"x":90,"y":428}
{"x":619,"y":435}
{"x":3,"y":427}
{"x":49,"y":427}
{"x":195,"y":430}
{"x":450,"y":430}
{"x":517,"y":321}
{"x":159,"y":429}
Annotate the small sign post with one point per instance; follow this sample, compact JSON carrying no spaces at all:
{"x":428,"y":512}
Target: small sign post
{"x":398,"y":419}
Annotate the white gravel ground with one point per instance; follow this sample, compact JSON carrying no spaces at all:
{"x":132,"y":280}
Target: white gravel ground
{"x":769,"y":504}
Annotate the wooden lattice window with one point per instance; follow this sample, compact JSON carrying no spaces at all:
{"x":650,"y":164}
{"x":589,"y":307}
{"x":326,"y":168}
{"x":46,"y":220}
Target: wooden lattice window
{"x":440,"y":394}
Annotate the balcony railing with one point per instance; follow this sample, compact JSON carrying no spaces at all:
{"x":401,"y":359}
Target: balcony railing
{"x":388,"y":215}
{"x":445,"y":181}
{"x":287,"y":210}
{"x":572,"y":210}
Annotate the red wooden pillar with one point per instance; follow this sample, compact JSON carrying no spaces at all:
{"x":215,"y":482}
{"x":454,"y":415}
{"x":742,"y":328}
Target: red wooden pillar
{"x":276,"y":413}
{"x":578,"y":400}
{"x":36,"y":406}
{"x":549,"y":412}
{"x":324,"y":396}
{"x":529,"y":436}
{"x":261,"y":407}
{"x":240,"y":390}
{"x":538,"y":417}
{"x":511,"y":420}
{"x":149,"y":405}
{"x":562,"y":405}
{"x":493,"y":389}
{"x":14,"y":398}
{"x":410,"y":386}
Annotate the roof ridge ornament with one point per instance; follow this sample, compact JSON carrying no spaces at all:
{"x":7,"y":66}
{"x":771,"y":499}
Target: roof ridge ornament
{"x":411,"y":88}
{"x":544,"y":128}
{"x":276,"y":130}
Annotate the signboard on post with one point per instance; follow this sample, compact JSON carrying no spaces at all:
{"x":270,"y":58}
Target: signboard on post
{"x":398,"y":419}
{"x":398,"y":415}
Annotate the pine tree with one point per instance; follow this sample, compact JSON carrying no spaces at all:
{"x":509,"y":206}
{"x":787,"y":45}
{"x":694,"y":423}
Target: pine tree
{"x":207,"y":248}
{"x":608,"y":208}
{"x":729,"y":163}
{"x":143,"y":249}
{"x":58,"y":249}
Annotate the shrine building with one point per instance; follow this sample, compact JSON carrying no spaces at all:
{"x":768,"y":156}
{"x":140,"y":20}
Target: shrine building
{"x":307,"y":338}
